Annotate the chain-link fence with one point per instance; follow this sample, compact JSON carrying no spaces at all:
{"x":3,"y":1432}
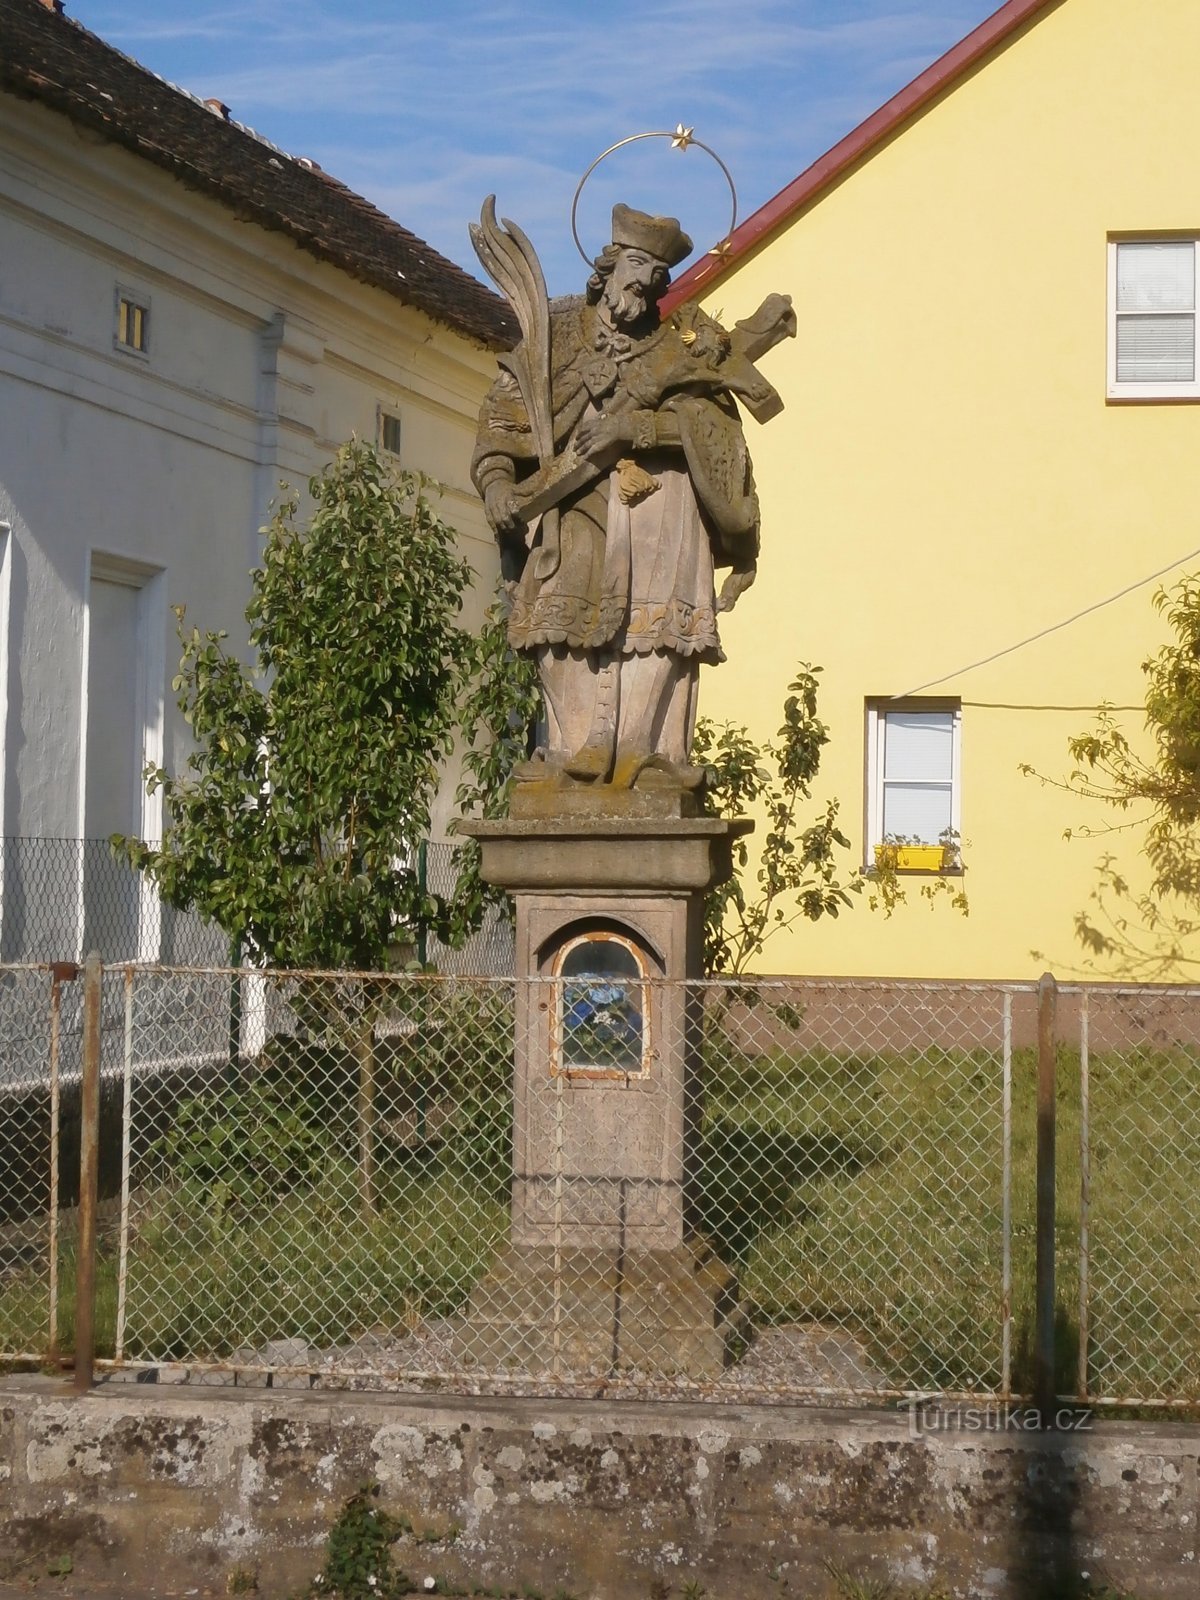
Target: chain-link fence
{"x":346,"y":1180}
{"x":1133,"y":1184}
{"x":490,"y":952}
{"x":60,"y":898}
{"x":338,"y":1197}
{"x":39,"y":1155}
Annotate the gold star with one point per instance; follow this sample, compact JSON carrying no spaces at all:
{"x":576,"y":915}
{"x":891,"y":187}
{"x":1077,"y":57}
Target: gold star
{"x":682,"y":137}
{"x":721,"y":250}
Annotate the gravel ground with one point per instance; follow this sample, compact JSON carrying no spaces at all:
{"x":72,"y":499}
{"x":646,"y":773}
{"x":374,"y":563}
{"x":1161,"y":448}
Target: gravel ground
{"x":782,"y":1361}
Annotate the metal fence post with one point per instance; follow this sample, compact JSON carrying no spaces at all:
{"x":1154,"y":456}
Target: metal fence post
{"x":126,"y":1150}
{"x":1044,"y":1387}
{"x":60,"y":972}
{"x":89,"y":1177}
{"x":1085,"y":1190}
{"x":559,"y":1124}
{"x":1006,"y":1206}
{"x":423,"y":887}
{"x":235,"y":1002}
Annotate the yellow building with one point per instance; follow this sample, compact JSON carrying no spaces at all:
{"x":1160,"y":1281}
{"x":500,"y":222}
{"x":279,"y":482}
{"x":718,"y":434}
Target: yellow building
{"x":986,"y":436}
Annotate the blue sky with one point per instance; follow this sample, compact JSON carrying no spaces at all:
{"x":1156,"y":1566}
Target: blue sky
{"x":426,"y":108}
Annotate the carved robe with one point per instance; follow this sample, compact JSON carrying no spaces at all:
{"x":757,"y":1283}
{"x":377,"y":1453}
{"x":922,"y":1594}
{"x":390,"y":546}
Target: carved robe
{"x":633,"y":578}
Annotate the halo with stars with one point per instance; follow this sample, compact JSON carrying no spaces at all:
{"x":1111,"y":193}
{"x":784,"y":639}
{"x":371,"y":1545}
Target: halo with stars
{"x":681,"y":139}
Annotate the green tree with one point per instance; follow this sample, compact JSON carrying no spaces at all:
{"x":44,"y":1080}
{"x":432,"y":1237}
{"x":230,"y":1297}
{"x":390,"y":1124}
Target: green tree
{"x":1156,"y":796}
{"x":797,"y":875}
{"x":296,"y":821}
{"x":503,"y":703}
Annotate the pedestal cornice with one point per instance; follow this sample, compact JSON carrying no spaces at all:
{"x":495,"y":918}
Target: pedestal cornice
{"x":574,"y":854}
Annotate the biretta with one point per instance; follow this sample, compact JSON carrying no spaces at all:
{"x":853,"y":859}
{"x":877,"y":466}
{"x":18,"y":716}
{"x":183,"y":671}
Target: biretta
{"x":661,"y":237}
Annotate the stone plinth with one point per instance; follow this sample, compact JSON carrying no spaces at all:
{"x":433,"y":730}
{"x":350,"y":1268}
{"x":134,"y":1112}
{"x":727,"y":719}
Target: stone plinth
{"x":604,"y":1313}
{"x":602,"y":1273}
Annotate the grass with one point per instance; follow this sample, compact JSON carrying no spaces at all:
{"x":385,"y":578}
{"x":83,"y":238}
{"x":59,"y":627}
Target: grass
{"x":878,"y":1213}
{"x":311,"y":1266}
{"x":866,"y":1193}
{"x":862,"y":1193}
{"x":308,"y":1267}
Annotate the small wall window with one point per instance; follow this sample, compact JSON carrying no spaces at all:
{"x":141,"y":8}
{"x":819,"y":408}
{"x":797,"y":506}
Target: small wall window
{"x":602,"y":1025}
{"x":132,"y":331}
{"x":914,"y":779}
{"x":1152,"y":306}
{"x":389,"y":432}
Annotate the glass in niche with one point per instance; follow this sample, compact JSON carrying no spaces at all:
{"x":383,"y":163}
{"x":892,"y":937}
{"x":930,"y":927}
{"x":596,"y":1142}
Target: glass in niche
{"x":602,"y":999}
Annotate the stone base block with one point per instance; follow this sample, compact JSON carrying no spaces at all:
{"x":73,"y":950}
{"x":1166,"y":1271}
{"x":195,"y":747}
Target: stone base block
{"x":603,"y":1313}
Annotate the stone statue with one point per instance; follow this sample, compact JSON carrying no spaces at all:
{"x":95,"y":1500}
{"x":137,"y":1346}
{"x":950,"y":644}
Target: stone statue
{"x":613,"y":468}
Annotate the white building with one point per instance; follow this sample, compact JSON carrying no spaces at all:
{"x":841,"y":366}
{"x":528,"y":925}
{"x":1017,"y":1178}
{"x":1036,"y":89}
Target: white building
{"x":188,"y":315}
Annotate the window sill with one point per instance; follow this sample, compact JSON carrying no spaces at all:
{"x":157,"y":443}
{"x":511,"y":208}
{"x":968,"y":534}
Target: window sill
{"x":1156,"y":397}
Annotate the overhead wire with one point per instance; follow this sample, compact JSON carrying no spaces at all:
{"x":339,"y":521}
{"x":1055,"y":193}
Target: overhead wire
{"x":1055,"y":627}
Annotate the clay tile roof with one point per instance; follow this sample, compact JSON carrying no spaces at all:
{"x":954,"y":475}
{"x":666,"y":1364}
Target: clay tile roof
{"x":49,"y":57}
{"x":991,"y":35}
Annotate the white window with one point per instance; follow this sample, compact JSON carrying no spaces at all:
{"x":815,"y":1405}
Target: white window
{"x":389,"y":432}
{"x":913,"y":775}
{"x":1152,"y":319}
{"x":131,"y":331}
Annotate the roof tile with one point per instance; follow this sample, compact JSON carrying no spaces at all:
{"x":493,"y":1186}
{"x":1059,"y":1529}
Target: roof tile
{"x":52,"y":58}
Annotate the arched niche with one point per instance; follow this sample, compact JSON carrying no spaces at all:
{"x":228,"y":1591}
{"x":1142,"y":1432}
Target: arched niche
{"x":602,"y":1026}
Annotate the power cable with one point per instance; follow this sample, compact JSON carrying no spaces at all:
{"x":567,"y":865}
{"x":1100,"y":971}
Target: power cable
{"x":1054,"y":628}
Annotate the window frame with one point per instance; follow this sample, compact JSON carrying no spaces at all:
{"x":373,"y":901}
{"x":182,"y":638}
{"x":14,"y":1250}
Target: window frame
{"x":596,"y":1072}
{"x":1128,"y":391}
{"x":383,"y":415}
{"x":137,"y":301}
{"x":877,"y":709}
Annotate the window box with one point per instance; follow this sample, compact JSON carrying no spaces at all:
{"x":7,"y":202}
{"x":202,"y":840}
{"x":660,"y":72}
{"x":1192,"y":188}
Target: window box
{"x":916,"y":857}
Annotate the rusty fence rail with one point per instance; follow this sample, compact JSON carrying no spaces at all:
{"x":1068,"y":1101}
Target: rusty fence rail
{"x":888,"y":1190}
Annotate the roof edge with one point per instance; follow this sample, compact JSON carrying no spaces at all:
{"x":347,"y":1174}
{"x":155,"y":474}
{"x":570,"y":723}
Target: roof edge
{"x":859,"y":142}
{"x":58,"y":63}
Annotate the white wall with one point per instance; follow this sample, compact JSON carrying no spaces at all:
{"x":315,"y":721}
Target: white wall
{"x":261,"y":360}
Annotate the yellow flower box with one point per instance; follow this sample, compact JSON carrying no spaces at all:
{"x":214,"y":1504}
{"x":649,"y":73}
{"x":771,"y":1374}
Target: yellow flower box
{"x":911,"y":857}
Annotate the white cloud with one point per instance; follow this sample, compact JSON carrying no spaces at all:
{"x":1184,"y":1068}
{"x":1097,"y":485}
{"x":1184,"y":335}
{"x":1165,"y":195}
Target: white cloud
{"x":427,"y":111}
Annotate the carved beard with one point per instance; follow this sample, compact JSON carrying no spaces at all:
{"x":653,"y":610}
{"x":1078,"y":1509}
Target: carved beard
{"x":626,"y":306}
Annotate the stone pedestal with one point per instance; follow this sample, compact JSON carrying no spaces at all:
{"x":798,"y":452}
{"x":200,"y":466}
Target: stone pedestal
{"x":603,"y":1275}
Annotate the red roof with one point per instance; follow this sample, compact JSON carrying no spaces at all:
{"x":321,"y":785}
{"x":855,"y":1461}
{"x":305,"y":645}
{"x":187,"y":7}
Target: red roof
{"x":827,"y":169}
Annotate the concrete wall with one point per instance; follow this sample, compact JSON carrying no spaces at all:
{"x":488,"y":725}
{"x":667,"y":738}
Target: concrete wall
{"x":597,"y":1498}
{"x":948,"y":478}
{"x":261,"y":360}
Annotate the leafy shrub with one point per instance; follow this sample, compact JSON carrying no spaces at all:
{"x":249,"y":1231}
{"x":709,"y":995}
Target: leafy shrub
{"x":242,"y":1149}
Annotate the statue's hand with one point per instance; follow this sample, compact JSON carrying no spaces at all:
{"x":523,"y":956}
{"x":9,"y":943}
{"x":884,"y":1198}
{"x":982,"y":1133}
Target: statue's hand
{"x":500,"y":507}
{"x":597,"y":437}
